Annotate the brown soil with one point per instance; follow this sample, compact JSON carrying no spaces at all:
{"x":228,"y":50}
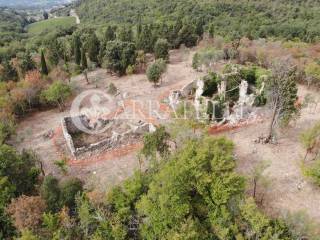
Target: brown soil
{"x":113,"y":166}
{"x":289,"y":190}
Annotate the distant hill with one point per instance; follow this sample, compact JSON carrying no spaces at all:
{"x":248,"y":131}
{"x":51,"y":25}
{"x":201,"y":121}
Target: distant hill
{"x":230,"y":18}
{"x":12,"y":25}
{"x":50,"y":25}
{"x":33,"y":3}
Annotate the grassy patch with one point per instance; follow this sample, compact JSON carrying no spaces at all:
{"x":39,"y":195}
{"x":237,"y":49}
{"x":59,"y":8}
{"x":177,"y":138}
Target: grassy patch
{"x":51,"y":25}
{"x":312,"y":171}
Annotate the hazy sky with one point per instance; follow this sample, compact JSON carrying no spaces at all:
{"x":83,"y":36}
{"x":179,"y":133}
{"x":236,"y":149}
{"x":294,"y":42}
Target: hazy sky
{"x":32,"y":3}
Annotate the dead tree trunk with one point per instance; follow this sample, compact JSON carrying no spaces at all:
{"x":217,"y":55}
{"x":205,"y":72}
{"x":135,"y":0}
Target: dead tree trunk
{"x":254,"y":188}
{"x":42,"y":169}
{"x":273,"y":120}
{"x":85,"y":73}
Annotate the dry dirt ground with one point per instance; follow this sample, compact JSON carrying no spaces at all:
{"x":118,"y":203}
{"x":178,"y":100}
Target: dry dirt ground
{"x":104,"y":170}
{"x":288,"y":189}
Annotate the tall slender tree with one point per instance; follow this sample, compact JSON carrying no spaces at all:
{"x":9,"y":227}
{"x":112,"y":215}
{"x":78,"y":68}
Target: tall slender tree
{"x":77,"y":50}
{"x":109,"y":34}
{"x":44,"y":68}
{"x":93,"y":48}
{"x":282,"y":96}
{"x":84,"y":63}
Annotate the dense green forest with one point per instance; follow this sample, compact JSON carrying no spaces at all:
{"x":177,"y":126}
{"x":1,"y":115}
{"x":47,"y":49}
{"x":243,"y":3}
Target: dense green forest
{"x":194,"y":193}
{"x":231,"y":18}
{"x":12,"y":26}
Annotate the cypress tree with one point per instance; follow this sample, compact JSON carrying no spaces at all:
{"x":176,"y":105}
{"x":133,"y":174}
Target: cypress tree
{"x":44,"y":68}
{"x":93,"y":48}
{"x":109,"y":34}
{"x":84,"y":64}
{"x":77,"y":50}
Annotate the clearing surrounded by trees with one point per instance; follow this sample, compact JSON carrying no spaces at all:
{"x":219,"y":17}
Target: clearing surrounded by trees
{"x":180,"y":119}
{"x":110,"y":167}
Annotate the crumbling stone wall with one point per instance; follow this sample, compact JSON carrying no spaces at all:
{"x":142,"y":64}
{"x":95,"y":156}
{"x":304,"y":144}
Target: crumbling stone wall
{"x":187,"y":89}
{"x":67,"y":136}
{"x":117,"y":139}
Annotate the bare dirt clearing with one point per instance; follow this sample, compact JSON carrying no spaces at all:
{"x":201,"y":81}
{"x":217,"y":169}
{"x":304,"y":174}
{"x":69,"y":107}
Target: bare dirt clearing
{"x":106,"y":169}
{"x":289,"y":190}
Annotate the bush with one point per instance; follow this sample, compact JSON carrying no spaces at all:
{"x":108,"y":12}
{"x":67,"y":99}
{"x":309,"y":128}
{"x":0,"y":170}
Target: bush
{"x":7,"y":128}
{"x":161,"y":49}
{"x":312,"y":71}
{"x":248,"y":74}
{"x":260,"y":100}
{"x":208,"y":56}
{"x":27,"y":212}
{"x":155,"y":71}
{"x":232,"y":87}
{"x":130,"y":70}
{"x":112,"y":89}
{"x":20,"y":169}
{"x":119,"y":55}
{"x":156,"y":142}
{"x":311,"y":141}
{"x":313,"y":172}
{"x":196,"y":61}
{"x":69,"y":189}
{"x":211,"y":82}
{"x":56,"y":94}
{"x":50,"y":192}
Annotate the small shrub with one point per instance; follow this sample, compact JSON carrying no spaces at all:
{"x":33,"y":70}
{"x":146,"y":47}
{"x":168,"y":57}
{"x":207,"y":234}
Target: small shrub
{"x":130,"y":70}
{"x":211,"y":82}
{"x":311,"y":141}
{"x":155,"y":71}
{"x":233,"y":82}
{"x":260,"y":100}
{"x":301,"y":225}
{"x":56,"y":94}
{"x":196,"y":61}
{"x":313,"y":172}
{"x":312,"y":71}
{"x":161,"y":49}
{"x":69,"y":189}
{"x":249,"y":74}
{"x":112,"y":89}
{"x":7,"y":128}
{"x":62,"y":165}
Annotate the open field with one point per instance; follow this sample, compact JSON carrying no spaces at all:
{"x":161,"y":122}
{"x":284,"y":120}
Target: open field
{"x":50,"y":25}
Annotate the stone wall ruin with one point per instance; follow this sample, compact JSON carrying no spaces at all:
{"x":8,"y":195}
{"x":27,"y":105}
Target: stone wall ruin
{"x":120,"y":132}
{"x":242,"y":109}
